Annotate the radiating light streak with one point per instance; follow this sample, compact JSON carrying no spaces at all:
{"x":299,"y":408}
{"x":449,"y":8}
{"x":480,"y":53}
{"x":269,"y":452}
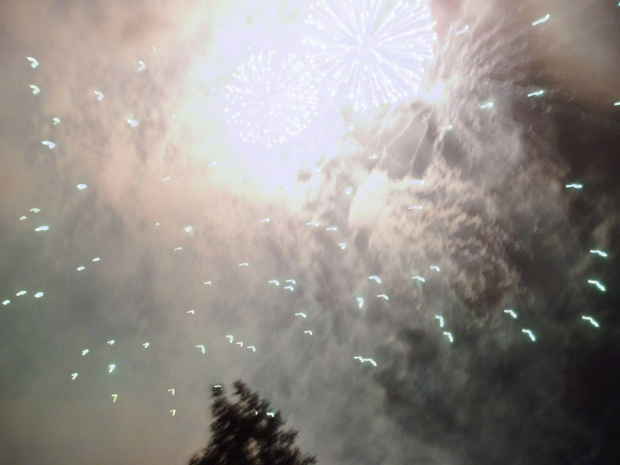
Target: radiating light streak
{"x":530,"y":334}
{"x":308,"y":332}
{"x":441,"y":320}
{"x":274,"y":281}
{"x":84,"y":352}
{"x":56,"y":121}
{"x":383,"y":296}
{"x":599,"y":253}
{"x":301,"y":314}
{"x":35,"y":89}
{"x":21,"y":293}
{"x":230,"y":338}
{"x":436,"y":268}
{"x":418,"y":278}
{"x":73,"y":376}
{"x":132,"y":122}
{"x":6,"y":302}
{"x":289,"y":288}
{"x":370,"y":52}
{"x":591,"y":320}
{"x":111,"y":368}
{"x":265,"y":220}
{"x":486,"y":106}
{"x":171,"y":391}
{"x":512,"y":313}
{"x":33,"y":62}
{"x":244,"y":264}
{"x":49,"y":143}
{"x":331,"y":228}
{"x":538,"y":93}
{"x":146,"y":345}
{"x":191,"y":312}
{"x":82,"y":186}
{"x":99,"y":95}
{"x":173,"y":412}
{"x":201,"y":347}
{"x":597,"y":284}
{"x":462,"y":31}
{"x":114,"y":397}
{"x":253,"y":348}
{"x":42,"y":228}
{"x":574,"y":186}
{"x":374,"y":278}
{"x":81,"y":268}
{"x":360,"y":302}
{"x":542,"y":20}
{"x":111,"y":342}
{"x":142,"y":66}
{"x":449,"y":335}
{"x":342,"y":245}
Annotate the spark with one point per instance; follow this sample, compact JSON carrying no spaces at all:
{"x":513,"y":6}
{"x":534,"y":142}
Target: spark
{"x":530,"y":334}
{"x":383,"y":296}
{"x":331,"y":228}
{"x":292,"y":281}
{"x":49,"y":143}
{"x":99,"y":95}
{"x":171,"y":391}
{"x":21,"y":293}
{"x":56,"y":121}
{"x":173,"y":412}
{"x":418,"y":278}
{"x":462,"y":31}
{"x":114,"y":396}
{"x":240,"y":343}
{"x":111,"y":368}
{"x":33,"y":62}
{"x":342,"y":245}
{"x":73,"y":376}
{"x":244,"y":264}
{"x":538,"y":93}
{"x":415,"y":207}
{"x":35,"y":89}
{"x":591,"y":320}
{"x":441,"y":320}
{"x":96,"y":259}
{"x":542,"y":20}
{"x":599,"y":252}
{"x":308,"y":332}
{"x":230,"y":338}
{"x":303,"y":315}
{"x":274,"y":281}
{"x":486,"y":106}
{"x":446,"y":333}
{"x":142,"y":66}
{"x":360,"y":302}
{"x":253,"y":348}
{"x":597,"y":284}
{"x":370,"y":52}
{"x":6,"y":302}
{"x":574,"y":186}
{"x":374,"y":278}
{"x":42,"y":228}
{"x":81,"y":268}
{"x":82,"y":186}
{"x":111,"y":342}
{"x":132,"y":122}
{"x":85,"y":351}
{"x":289,"y":288}
{"x":192,"y":312}
{"x":146,"y":345}
{"x":265,"y":220}
{"x":512,"y":313}
{"x":436,"y":268}
{"x":271,"y":99}
{"x":201,"y":347}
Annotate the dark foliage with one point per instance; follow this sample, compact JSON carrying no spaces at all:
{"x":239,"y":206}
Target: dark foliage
{"x":248,"y":433}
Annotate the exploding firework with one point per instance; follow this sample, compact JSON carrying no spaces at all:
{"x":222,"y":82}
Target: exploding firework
{"x":271,"y":99}
{"x":370,"y":52}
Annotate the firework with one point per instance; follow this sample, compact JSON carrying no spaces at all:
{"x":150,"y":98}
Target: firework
{"x":271,"y":99}
{"x":370,"y":52}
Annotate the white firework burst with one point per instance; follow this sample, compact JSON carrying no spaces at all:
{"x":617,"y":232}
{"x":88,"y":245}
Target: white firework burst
{"x":271,"y":98}
{"x":370,"y":52}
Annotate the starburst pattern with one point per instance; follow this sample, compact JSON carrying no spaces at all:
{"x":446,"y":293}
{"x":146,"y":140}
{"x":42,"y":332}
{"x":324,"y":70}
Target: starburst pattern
{"x":370,"y":51}
{"x":271,"y":99}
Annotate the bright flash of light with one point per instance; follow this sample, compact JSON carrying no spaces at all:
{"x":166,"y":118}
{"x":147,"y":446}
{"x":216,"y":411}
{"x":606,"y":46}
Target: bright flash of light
{"x":370,"y":52}
{"x":574,"y":186}
{"x":591,"y":320}
{"x":538,"y":93}
{"x":271,"y":99}
{"x":542,"y":20}
{"x":6,"y":302}
{"x":599,"y":253}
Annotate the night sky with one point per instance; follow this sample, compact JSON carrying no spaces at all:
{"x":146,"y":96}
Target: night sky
{"x":430,"y":281}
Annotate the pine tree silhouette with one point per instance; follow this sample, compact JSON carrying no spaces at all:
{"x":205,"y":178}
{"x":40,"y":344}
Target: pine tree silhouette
{"x":248,"y":433}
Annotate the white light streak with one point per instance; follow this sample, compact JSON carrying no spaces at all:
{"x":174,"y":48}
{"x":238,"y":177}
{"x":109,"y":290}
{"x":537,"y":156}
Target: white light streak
{"x":274,"y":281}
{"x":265,"y":220}
{"x":201,"y":347}
{"x":49,"y":143}
{"x":436,"y":268}
{"x":114,"y":397}
{"x":35,"y":210}
{"x":289,"y":288}
{"x":374,"y":278}
{"x":441,"y":320}
{"x":597,"y":284}
{"x":512,"y":313}
{"x":35,"y":89}
{"x":173,"y":412}
{"x":244,"y":264}
{"x":21,"y":293}
{"x":96,"y":259}
{"x":142,"y":66}
{"x":73,"y":376}
{"x":171,"y":391}
{"x":415,"y":207}
{"x":449,"y":335}
{"x":56,"y":121}
{"x":538,"y":93}
{"x":253,"y":348}
{"x":146,"y":345}
{"x":292,"y":281}
{"x":189,"y":229}
{"x":6,"y":302}
{"x":418,"y":278}
{"x":331,"y":228}
{"x":191,"y":312}
{"x":230,"y":338}
{"x":111,"y":342}
{"x":84,"y":352}
{"x":360,"y":302}
{"x":462,"y":31}
{"x":383,"y":296}
{"x":240,"y":343}
{"x":132,"y":122}
{"x":81,"y":268}
{"x":530,"y":334}
{"x":208,"y":283}
{"x":313,"y":223}
{"x":591,"y":320}
{"x":542,"y":20}
{"x":308,"y":332}
{"x":82,"y":186}
{"x":303,"y":315}
{"x":599,"y":253}
{"x":574,"y":186}
{"x":33,"y":62}
{"x":42,"y":228}
{"x":111,"y":368}
{"x":486,"y":106}
{"x":348,"y":191}
{"x":99,"y":95}
{"x":178,"y":249}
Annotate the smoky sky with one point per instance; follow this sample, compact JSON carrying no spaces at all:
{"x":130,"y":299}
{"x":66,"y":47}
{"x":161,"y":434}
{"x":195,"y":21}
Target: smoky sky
{"x":454,"y":200}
